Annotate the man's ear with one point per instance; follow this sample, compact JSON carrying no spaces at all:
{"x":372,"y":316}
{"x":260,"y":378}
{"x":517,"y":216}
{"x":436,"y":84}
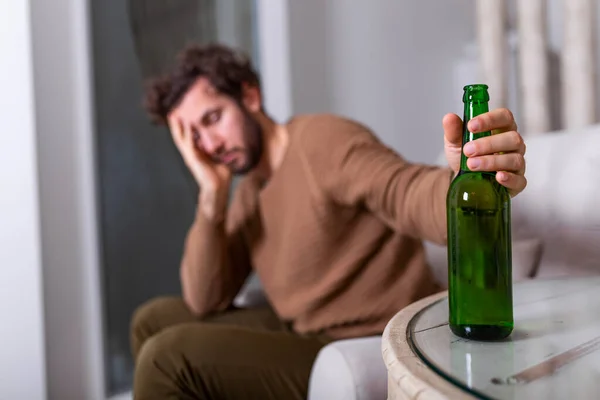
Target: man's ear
{"x":252,"y":98}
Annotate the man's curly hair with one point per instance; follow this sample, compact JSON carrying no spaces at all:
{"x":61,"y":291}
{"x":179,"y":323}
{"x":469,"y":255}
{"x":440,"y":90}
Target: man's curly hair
{"x":226,"y":69}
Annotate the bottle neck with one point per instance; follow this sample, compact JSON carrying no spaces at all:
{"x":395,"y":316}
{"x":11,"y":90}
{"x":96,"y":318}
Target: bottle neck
{"x":473,"y":108}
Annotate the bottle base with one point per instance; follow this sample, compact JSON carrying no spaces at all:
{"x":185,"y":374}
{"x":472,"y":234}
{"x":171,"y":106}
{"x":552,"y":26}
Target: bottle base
{"x":482,"y":332}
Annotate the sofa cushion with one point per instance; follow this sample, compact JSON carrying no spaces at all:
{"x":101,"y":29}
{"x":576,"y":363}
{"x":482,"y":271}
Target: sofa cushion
{"x":526,"y":255}
{"x":560,"y":203}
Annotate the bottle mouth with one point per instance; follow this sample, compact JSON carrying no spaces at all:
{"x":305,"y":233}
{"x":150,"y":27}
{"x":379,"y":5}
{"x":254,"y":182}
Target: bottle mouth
{"x":476,"y":86}
{"x":476,"y":92}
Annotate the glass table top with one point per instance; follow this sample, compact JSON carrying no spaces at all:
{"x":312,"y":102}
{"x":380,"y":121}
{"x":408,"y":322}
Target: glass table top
{"x":551,"y":354}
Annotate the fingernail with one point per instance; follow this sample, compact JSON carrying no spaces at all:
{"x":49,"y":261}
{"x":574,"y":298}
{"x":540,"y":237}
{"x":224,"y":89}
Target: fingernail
{"x":501,"y":176}
{"x":469,"y":149}
{"x":474,"y":125}
{"x":474,"y":163}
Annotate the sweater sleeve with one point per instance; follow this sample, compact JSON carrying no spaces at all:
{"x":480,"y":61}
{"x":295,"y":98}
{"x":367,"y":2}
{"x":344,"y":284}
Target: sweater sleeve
{"x":215,"y":261}
{"x":353,"y":168}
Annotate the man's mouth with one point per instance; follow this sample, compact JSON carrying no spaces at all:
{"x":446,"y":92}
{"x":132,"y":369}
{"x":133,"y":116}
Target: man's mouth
{"x":228,"y":158}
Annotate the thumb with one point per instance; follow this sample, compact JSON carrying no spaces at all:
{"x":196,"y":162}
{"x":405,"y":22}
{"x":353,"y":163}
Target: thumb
{"x":452,"y":130}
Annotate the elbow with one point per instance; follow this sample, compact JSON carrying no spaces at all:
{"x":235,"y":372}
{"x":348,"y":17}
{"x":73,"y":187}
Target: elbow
{"x":200,"y":303}
{"x":195,"y":300}
{"x":202,"y":294}
{"x":195,"y":305}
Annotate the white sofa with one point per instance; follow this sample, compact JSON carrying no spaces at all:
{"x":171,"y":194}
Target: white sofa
{"x":556,"y":232}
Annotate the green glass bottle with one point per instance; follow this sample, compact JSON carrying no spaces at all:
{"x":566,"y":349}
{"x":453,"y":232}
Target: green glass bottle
{"x":479,"y":243}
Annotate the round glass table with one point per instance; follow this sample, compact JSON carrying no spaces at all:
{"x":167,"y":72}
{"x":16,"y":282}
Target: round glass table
{"x":553,"y":352}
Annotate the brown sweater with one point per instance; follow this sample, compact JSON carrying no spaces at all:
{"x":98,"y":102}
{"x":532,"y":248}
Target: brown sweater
{"x":334,"y":235}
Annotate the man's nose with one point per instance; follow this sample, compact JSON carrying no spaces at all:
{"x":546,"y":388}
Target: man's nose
{"x":213,"y":144}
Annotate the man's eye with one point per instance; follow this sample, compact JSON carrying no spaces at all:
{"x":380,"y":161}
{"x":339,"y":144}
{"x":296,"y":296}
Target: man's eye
{"x":213,"y":117}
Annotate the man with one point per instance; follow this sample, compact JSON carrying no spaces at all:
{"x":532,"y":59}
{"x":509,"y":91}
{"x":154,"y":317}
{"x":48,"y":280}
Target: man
{"x":330,"y":219}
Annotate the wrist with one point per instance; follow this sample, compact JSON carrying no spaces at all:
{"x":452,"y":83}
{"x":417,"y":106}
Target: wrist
{"x":212,"y":204}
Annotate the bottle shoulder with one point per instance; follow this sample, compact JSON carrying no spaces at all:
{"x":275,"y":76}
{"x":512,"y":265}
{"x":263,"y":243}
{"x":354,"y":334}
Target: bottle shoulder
{"x":472,"y":188}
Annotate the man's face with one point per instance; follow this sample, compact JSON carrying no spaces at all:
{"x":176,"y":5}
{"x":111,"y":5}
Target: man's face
{"x":223,"y":129}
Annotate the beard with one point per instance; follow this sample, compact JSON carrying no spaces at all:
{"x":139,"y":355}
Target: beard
{"x":253,"y":145}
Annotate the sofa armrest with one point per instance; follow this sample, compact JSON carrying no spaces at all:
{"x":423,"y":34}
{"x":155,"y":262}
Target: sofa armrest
{"x":350,"y":369}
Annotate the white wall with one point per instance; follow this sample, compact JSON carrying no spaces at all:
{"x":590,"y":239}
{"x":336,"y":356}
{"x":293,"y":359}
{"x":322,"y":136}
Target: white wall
{"x":398,"y":66}
{"x":22,"y":375}
{"x":67,"y":196}
{"x":386,"y":63}
{"x":274,"y":51}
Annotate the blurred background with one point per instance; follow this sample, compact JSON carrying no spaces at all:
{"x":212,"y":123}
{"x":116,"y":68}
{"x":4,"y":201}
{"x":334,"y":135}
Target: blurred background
{"x":96,"y":201}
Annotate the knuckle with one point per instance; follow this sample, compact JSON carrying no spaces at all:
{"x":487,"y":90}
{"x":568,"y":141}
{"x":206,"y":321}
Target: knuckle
{"x":518,"y":183}
{"x":507,"y":114}
{"x":516,"y":139}
{"x":520,"y":162}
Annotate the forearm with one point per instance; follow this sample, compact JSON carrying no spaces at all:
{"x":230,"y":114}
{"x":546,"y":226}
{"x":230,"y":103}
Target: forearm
{"x":425,"y":204}
{"x":354,"y":168}
{"x":411,"y":198}
{"x":205,"y":270}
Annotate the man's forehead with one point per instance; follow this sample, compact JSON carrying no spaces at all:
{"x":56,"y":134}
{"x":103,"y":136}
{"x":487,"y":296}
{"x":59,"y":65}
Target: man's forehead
{"x":203,"y":85}
{"x":200,"y":96}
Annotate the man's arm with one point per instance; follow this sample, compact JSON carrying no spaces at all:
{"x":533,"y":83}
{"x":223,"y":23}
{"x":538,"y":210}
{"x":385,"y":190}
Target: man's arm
{"x":353,"y":167}
{"x":215,"y":264}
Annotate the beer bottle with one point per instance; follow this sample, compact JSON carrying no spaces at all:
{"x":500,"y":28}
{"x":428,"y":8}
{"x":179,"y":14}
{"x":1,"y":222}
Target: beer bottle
{"x":479,"y":242}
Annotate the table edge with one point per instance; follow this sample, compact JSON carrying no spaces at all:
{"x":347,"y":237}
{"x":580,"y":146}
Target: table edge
{"x":405,"y":367}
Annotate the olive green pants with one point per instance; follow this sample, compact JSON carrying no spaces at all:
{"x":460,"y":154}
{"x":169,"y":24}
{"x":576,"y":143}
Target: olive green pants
{"x":237,"y":354}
